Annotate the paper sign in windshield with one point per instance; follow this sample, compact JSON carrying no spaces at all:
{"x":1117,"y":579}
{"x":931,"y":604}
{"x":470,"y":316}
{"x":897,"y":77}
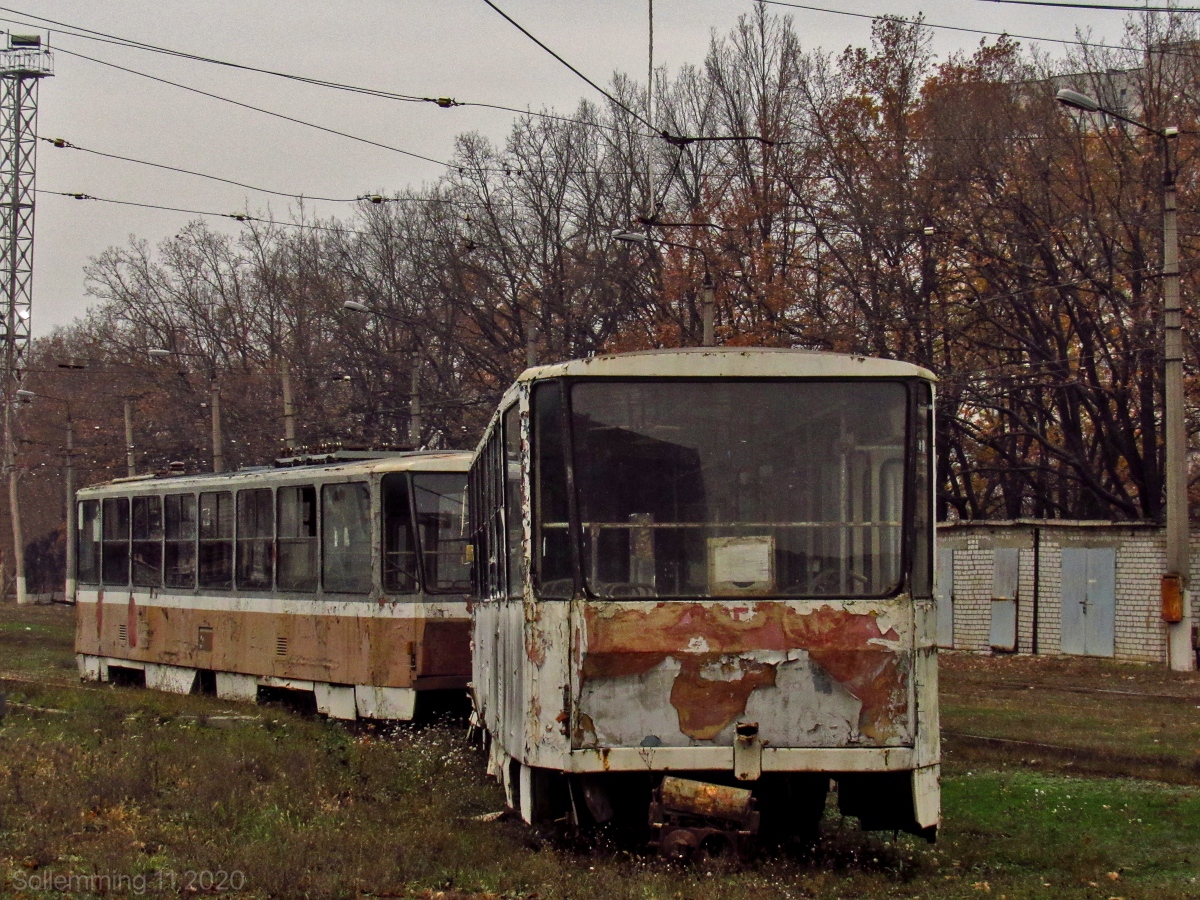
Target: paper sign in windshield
{"x":744,"y":564}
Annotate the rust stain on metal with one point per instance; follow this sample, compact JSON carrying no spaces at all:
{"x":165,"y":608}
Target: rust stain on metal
{"x":132,"y":622}
{"x":704,"y":799}
{"x":624,"y":641}
{"x":706,"y":704}
{"x":585,"y":730}
{"x":341,"y":649}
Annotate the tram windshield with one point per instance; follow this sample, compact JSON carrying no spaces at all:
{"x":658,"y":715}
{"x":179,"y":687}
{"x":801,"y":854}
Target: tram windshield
{"x":690,"y":488}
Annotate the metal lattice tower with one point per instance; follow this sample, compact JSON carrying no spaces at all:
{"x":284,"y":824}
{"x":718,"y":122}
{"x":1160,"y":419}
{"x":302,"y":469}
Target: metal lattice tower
{"x":23,"y":63}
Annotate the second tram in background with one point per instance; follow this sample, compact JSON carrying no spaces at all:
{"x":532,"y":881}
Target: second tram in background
{"x":704,"y":589}
{"x":348,"y":579}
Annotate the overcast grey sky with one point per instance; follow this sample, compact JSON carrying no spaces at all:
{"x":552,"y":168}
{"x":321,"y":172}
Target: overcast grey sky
{"x":456,"y":48}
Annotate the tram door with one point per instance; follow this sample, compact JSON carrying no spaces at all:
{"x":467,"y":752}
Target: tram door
{"x":1088,"y":600}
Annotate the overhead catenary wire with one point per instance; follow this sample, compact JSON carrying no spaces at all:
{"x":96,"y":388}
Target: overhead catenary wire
{"x":259,"y":109}
{"x":461,"y":168}
{"x":443,"y":102}
{"x":1113,"y":7}
{"x":1075,"y":42}
{"x":61,"y":143}
{"x":611,"y":99}
{"x":237,"y":217}
{"x":676,"y":139}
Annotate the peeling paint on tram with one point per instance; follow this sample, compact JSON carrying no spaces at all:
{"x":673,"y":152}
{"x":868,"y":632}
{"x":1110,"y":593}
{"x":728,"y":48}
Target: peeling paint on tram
{"x":835,"y":676}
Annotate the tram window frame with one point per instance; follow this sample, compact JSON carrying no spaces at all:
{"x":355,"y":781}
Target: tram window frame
{"x":114,"y":562}
{"x":921,"y":517}
{"x":395,"y":495}
{"x":254,"y":541}
{"x":429,"y":522}
{"x":497,"y":528}
{"x":358,"y":576}
{"x":511,"y":477}
{"x":88,"y":549}
{"x":302,"y":515}
{"x":181,"y":528}
{"x":487,"y":515}
{"x":902,"y":582}
{"x":553,"y":556}
{"x":146,"y":540}
{"x":214,"y":555}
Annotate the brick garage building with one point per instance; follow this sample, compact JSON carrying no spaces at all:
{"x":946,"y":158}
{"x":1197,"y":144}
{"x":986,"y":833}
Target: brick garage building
{"x":1051,"y":587}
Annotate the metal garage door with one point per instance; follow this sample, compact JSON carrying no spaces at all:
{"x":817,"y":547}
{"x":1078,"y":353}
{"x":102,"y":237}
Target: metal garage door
{"x":945,"y":597}
{"x":1088,"y":600}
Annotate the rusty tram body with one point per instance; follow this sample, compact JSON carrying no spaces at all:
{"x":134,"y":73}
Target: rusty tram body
{"x":348,"y":579}
{"x":704,"y":591}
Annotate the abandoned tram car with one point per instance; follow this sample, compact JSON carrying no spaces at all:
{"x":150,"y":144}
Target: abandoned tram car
{"x":703,"y":589}
{"x":349,"y":580}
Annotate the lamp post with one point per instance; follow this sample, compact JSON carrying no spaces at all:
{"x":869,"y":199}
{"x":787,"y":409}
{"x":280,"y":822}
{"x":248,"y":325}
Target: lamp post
{"x":218,"y":444}
{"x":707,"y":302}
{"x":414,"y":397}
{"x":1176,"y":607}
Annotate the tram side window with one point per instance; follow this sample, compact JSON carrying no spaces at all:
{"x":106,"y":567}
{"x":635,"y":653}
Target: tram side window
{"x":297,"y":508}
{"x":552,"y":541}
{"x":442,"y":522}
{"x":255,"y":539}
{"x":216,"y":540}
{"x":346,"y":538}
{"x":115,"y":553}
{"x":512,"y":500}
{"x":399,"y":548}
{"x":497,"y":559}
{"x":487,"y":517}
{"x":179,"y":546}
{"x":87,"y":565}
{"x":147,"y":541}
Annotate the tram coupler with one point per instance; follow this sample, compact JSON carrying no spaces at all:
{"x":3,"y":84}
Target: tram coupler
{"x":689,"y":816}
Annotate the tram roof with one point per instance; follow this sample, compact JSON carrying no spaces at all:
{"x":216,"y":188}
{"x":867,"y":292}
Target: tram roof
{"x":417,"y":461}
{"x":729,"y":362}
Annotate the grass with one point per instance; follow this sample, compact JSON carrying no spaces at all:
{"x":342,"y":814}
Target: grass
{"x":1091,"y":716}
{"x":97,"y":781}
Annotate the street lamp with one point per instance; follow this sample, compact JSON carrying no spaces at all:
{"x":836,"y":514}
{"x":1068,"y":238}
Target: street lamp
{"x":414,"y":397}
{"x":707,"y":304}
{"x":1176,"y":609}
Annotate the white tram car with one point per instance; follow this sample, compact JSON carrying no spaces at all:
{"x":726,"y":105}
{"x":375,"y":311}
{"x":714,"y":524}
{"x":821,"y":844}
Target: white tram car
{"x":349,"y":579}
{"x":704,"y":589}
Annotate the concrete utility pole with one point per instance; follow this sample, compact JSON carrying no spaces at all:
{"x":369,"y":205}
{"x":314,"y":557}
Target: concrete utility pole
{"x":531,"y":336}
{"x":217,"y":440}
{"x":289,"y":416}
{"x":708,"y":311}
{"x":1177,"y":609}
{"x":72,"y":515}
{"x":1176,"y":601}
{"x":130,"y":467}
{"x":414,"y":403}
{"x":650,"y":119}
{"x":23,"y":63}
